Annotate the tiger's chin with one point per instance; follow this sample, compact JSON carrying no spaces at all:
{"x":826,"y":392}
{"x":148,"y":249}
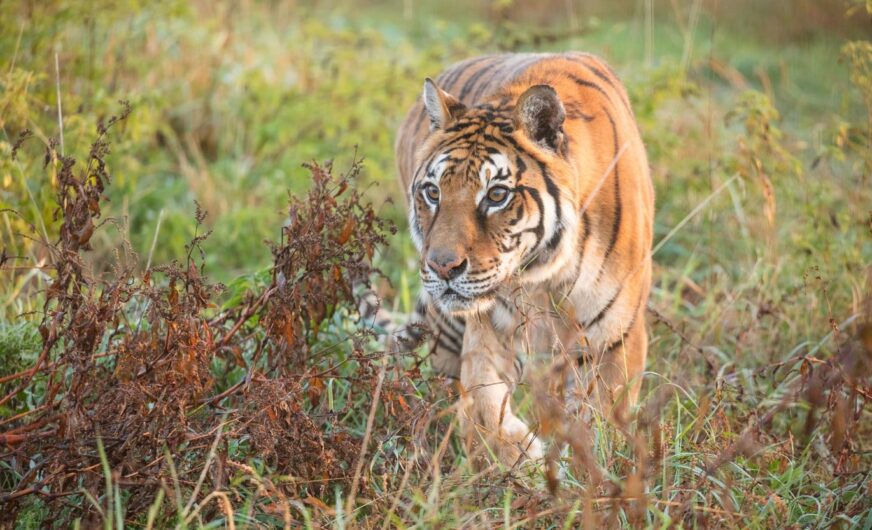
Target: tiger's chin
{"x":457,"y":305}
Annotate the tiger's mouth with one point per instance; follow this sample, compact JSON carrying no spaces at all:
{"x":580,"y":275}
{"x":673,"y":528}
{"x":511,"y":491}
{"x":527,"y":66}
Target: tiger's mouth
{"x":474,"y":290}
{"x":450,"y":301}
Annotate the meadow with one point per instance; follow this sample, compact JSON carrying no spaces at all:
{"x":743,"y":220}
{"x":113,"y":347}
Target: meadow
{"x":174,"y":353}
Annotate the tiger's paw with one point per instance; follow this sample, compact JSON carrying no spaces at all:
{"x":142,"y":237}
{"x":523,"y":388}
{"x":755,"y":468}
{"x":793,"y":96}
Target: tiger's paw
{"x":513,"y":445}
{"x":517,"y":444}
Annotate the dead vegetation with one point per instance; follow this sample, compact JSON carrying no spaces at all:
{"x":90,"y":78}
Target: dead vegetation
{"x":126,"y":367}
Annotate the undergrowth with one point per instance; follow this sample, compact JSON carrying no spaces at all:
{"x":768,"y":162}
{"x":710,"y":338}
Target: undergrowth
{"x":130,"y":367}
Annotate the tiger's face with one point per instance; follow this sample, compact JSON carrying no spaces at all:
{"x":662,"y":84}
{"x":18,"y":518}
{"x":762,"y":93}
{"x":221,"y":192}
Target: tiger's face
{"x":485,"y":209}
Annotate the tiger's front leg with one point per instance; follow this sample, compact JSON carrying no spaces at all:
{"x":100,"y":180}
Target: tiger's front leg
{"x":488,"y":377}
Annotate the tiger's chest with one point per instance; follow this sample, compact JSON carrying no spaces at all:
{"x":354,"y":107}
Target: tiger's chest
{"x":548,"y":320}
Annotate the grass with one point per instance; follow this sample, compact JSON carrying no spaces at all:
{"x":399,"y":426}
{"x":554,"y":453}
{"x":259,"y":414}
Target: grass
{"x":759,"y":145}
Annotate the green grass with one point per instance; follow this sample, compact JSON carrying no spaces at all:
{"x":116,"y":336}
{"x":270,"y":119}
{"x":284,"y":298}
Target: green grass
{"x":230,"y":99}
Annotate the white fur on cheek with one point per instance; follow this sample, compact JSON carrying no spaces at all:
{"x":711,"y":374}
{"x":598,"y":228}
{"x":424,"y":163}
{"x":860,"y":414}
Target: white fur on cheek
{"x":417,"y":239}
{"x":433,"y":174}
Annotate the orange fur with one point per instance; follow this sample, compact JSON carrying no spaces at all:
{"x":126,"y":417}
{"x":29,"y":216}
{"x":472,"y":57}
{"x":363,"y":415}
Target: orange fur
{"x":571,"y":243}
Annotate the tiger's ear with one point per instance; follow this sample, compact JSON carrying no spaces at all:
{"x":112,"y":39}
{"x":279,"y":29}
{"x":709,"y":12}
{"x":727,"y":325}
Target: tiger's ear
{"x":441,"y":107}
{"x":539,"y":113}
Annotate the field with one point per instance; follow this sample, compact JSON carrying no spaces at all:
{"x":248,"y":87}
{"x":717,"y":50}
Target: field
{"x":180,"y":263}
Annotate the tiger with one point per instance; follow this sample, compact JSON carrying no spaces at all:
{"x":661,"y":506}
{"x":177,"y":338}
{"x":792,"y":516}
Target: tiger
{"x":531,"y":205}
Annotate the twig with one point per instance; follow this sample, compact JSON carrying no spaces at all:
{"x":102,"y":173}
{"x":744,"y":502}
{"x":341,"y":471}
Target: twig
{"x":28,"y":375}
{"x":154,"y":239}
{"x":202,"y":478}
{"x":674,"y":329}
{"x":17,"y":46}
{"x":363,"y":445}
{"x":226,"y":507}
{"x":12,"y":438}
{"x":693,"y":213}
{"x":60,"y":111}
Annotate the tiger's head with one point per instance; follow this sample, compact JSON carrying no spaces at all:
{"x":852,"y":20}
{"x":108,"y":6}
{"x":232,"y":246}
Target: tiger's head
{"x":491,"y":196}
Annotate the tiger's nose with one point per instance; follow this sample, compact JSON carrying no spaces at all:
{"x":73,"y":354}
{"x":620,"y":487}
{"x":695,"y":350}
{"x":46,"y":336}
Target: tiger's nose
{"x":446,"y":264}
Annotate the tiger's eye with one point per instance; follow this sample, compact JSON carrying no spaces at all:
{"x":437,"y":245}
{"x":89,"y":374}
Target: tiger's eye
{"x":497,"y":195}
{"x":432,"y":192}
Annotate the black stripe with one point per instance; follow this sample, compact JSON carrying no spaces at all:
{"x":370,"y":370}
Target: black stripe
{"x":620,"y":341}
{"x":450,"y":77}
{"x":417,"y":227}
{"x":539,"y":230}
{"x":597,"y":72}
{"x":474,"y":78}
{"x":451,"y":323}
{"x":616,"y":222}
{"x":432,"y":222}
{"x":624,"y":336}
{"x":437,"y":151}
{"x":451,"y":349}
{"x":459,"y":70}
{"x":443,"y":334}
{"x":554,"y":191}
{"x":495,"y":74}
{"x":420,"y":168}
{"x":421,"y":307}
{"x":459,"y":139}
{"x":575,"y":112}
{"x":581,"y":82}
{"x":599,"y":316}
{"x":434,"y":313}
{"x":579,"y":56}
{"x":520,"y":214}
{"x":508,"y":141}
{"x":500,"y":73}
{"x":585,"y":218}
{"x":446,"y":80}
{"x":518,"y":70}
{"x":521,"y":167}
{"x":602,"y":75}
{"x":481,"y":89}
{"x":446,"y":328}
